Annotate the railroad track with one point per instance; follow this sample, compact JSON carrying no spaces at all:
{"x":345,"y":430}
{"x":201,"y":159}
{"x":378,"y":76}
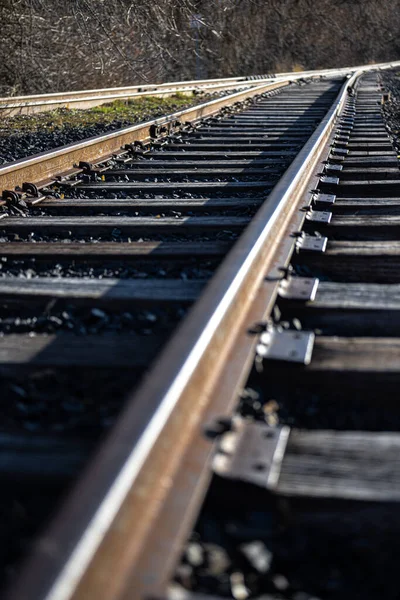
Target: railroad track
{"x":20,"y":105}
{"x":274,"y":221}
{"x":84,"y":99}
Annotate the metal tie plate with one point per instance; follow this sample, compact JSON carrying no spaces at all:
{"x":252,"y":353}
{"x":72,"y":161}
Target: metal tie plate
{"x":252,"y":452}
{"x":343,"y":151}
{"x":324,"y":198}
{"x":343,"y":128}
{"x":299,"y":288}
{"x":329,"y":180}
{"x":340,"y":144}
{"x":312,"y":243}
{"x":319,"y":216}
{"x":336,"y":158}
{"x":286,"y":345}
{"x":333,"y":167}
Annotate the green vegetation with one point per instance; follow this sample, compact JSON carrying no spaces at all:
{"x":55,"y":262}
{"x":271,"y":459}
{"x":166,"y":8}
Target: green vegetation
{"x":121,"y":108}
{"x":121,"y":113}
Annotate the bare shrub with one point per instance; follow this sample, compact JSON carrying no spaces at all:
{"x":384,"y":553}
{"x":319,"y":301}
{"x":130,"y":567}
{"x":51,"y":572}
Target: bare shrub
{"x":53,"y":45}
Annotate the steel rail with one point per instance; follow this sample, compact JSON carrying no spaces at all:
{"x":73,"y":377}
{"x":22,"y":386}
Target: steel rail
{"x":46,"y":165}
{"x":135,"y":505}
{"x":25,"y":105}
{"x":82,"y":99}
{"x":134,"y":88}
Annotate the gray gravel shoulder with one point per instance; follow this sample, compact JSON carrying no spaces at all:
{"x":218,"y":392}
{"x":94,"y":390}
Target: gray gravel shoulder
{"x":17,"y":144}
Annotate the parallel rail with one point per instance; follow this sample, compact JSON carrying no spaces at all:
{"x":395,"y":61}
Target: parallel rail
{"x":81,"y":100}
{"x":84,"y":99}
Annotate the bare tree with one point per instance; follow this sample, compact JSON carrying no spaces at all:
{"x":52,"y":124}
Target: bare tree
{"x":53,"y":45}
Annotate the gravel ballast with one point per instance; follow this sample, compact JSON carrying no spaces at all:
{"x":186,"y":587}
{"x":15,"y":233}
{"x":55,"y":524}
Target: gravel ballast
{"x":26,"y":135}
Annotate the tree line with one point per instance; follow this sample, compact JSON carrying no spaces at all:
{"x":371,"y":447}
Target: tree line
{"x":53,"y":45}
